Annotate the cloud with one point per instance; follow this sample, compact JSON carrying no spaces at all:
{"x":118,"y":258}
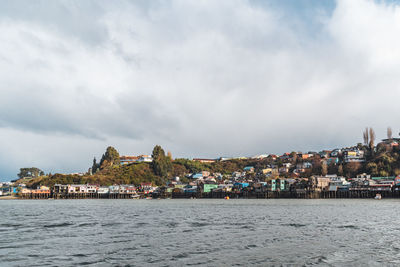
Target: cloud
{"x":201,"y":78}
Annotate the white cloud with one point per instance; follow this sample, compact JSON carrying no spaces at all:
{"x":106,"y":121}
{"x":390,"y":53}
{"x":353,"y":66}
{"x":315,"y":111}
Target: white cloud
{"x":202,"y":78}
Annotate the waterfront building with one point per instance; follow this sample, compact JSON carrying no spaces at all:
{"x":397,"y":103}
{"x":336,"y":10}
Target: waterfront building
{"x":127,"y":189}
{"x":77,"y":188}
{"x":60,"y":189}
{"x":103,"y":190}
{"x":209,"y":187}
{"x":338,"y":183}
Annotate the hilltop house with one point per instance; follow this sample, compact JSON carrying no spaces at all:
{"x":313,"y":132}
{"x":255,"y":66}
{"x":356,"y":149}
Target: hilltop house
{"x":202,"y":160}
{"x":353,"y":156}
{"x":124,"y":160}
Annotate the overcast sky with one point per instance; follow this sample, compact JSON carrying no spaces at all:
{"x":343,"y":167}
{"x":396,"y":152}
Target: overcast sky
{"x":201,"y":78}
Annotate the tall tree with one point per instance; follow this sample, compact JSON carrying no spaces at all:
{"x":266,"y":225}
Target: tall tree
{"x":110,"y":158}
{"x":366,"y":137}
{"x":371,"y":140}
{"x":161,"y":164}
{"x":389,"y":133}
{"x":95,"y":166}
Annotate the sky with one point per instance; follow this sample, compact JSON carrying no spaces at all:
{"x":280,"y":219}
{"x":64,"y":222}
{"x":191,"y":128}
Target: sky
{"x":200,"y":78}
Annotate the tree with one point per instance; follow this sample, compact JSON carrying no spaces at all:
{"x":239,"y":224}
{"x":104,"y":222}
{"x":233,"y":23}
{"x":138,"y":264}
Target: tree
{"x":371,"y":140}
{"x":95,"y":166}
{"x":366,"y":137}
{"x":110,"y":158}
{"x":352,"y":168}
{"x":389,"y":133}
{"x":161,"y":164}
{"x":30,"y":172}
{"x":372,"y":168}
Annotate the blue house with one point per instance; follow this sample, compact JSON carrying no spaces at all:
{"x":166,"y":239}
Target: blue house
{"x":241,"y":185}
{"x":197,"y":175}
{"x":249,"y":169}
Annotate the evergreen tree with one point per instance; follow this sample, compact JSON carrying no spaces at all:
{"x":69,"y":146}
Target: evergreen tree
{"x":95,"y":166}
{"x":161,"y":164}
{"x":110,"y":158}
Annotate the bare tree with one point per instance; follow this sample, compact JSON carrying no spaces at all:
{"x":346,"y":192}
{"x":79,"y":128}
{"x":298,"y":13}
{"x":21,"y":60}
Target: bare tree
{"x":389,"y":133}
{"x":371,"y":139}
{"x":366,"y":137}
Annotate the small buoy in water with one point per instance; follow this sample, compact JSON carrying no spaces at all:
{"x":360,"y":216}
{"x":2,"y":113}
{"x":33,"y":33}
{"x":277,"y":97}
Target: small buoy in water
{"x":226,"y":197}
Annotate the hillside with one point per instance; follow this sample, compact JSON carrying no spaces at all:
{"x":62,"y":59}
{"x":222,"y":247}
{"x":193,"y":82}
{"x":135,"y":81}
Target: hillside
{"x":128,"y":174}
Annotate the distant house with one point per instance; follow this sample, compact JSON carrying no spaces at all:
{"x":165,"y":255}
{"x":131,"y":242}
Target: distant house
{"x":197,"y":176}
{"x":333,"y":160}
{"x":209,"y":187}
{"x":145,"y":158}
{"x":283,"y":169}
{"x":205,"y":173}
{"x":249,"y":169}
{"x":321,"y":183}
{"x":103,"y":190}
{"x":202,"y":160}
{"x":324,"y":153}
{"x":335,"y":152}
{"x":124,"y":160}
{"x":304,"y":165}
{"x":129,"y":189}
{"x":146,"y":188}
{"x":77,"y":188}
{"x":40,"y":190}
{"x":267,"y":170}
{"x":273,"y":157}
{"x":263,"y":156}
{"x":224,"y":158}
{"x":241,"y":185}
{"x":26,"y":191}
{"x":91,"y":188}
{"x":61,"y":189}
{"x":354,"y":156}
{"x":304,"y":156}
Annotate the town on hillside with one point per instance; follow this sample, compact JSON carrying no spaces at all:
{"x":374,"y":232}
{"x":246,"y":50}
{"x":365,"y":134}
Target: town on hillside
{"x":362,"y":170}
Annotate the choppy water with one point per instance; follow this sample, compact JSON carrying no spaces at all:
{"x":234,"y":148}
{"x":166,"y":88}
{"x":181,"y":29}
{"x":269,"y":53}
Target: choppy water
{"x":339,"y":232}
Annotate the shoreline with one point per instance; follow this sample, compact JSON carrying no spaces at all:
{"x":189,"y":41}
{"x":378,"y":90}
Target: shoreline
{"x":8,"y":197}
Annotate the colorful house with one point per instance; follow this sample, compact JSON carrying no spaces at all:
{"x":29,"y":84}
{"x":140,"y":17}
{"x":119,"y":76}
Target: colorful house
{"x":209,"y":187}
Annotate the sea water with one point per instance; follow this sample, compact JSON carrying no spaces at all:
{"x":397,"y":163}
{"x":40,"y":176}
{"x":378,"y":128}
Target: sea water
{"x":205,"y":232}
